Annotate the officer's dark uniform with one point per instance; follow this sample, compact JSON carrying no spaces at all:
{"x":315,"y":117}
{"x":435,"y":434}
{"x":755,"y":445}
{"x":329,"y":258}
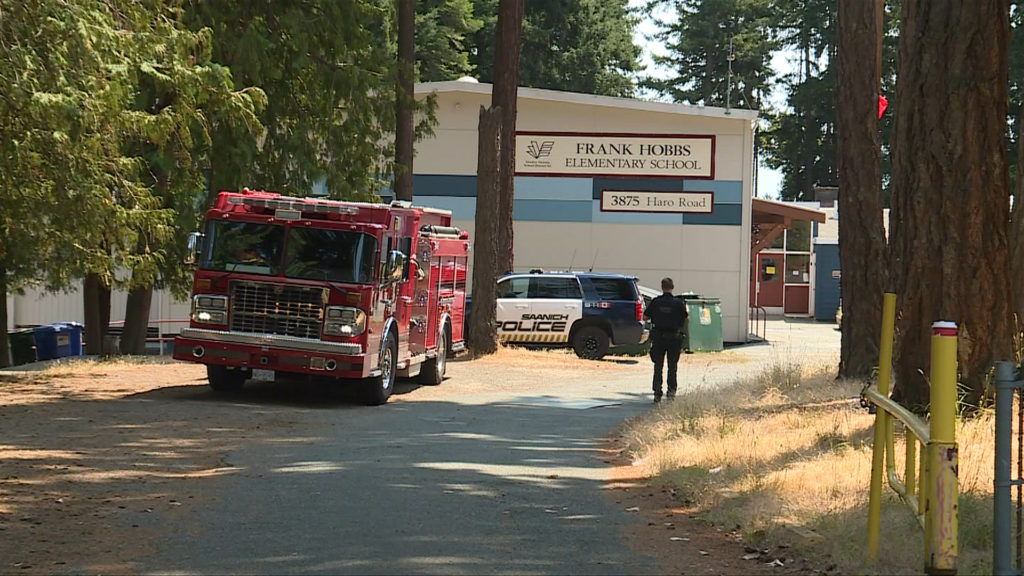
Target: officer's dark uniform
{"x":668,"y":315}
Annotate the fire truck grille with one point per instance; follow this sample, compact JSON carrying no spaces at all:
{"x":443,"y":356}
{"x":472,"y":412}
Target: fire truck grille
{"x":277,"y":309}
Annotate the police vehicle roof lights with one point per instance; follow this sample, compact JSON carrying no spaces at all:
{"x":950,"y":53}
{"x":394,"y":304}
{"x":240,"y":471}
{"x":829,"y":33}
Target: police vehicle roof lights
{"x":314,"y":205}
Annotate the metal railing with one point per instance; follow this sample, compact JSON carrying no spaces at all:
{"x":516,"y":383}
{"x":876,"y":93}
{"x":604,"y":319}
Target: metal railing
{"x":758,"y":317}
{"x":1008,"y":383}
{"x":931,"y":492}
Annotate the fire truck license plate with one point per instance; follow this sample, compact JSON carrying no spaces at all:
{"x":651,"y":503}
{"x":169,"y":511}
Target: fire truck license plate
{"x":263,"y":375}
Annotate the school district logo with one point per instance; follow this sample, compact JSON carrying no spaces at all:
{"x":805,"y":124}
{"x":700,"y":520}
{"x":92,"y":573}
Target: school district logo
{"x":540,"y":150}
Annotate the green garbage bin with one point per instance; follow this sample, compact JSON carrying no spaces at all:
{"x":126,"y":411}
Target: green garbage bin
{"x":23,"y":346}
{"x":687,"y":298}
{"x":704,"y":325}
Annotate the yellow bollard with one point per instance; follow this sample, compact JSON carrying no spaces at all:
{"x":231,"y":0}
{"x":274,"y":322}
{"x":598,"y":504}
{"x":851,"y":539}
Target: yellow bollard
{"x":881,"y":425}
{"x":943,"y":491}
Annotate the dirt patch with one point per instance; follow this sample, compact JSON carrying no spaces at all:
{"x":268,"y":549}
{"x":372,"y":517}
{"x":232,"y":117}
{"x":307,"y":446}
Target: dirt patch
{"x":89,"y":466}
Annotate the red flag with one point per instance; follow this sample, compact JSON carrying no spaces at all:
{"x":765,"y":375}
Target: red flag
{"x":882,"y":105}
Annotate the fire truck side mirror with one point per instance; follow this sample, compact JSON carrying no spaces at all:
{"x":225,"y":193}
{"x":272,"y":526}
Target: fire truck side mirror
{"x":195,"y":245}
{"x":395,"y":268}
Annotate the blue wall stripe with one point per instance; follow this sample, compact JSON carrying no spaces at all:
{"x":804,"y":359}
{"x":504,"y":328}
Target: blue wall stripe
{"x":462,"y":208}
{"x":724,"y":215}
{"x":552,"y":210}
{"x":726,"y":191}
{"x":534,"y":188}
{"x":659,"y":184}
{"x":578,"y":199}
{"x":540,"y":188}
{"x":443,"y":185}
{"x":632,"y":217}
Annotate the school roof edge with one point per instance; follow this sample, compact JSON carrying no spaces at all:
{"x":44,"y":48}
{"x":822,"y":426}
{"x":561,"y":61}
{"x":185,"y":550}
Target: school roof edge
{"x":591,"y":100}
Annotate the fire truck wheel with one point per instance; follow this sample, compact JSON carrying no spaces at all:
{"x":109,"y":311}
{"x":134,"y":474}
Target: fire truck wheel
{"x":590,"y":342}
{"x":432,"y":372}
{"x":224,"y":380}
{"x":379,"y":388}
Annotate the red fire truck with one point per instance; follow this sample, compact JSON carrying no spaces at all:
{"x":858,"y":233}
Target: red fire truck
{"x":316,"y":287}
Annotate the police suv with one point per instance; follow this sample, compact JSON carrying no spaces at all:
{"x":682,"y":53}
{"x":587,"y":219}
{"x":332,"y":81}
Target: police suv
{"x":590,"y":311}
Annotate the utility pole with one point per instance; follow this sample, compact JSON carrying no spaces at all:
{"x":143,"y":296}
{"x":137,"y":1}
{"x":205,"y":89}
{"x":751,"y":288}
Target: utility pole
{"x":728,"y":82}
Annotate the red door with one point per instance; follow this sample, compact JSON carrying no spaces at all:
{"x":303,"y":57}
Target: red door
{"x":797,"y":299}
{"x":769,"y":273}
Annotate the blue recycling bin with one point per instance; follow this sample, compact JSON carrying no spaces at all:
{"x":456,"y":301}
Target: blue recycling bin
{"x":75,"y":347}
{"x":58,"y":340}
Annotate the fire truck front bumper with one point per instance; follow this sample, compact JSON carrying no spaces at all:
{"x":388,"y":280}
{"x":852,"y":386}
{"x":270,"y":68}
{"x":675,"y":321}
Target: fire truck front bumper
{"x":272,"y":352}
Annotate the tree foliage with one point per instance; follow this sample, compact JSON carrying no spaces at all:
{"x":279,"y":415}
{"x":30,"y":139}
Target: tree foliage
{"x":106,"y":112}
{"x":328,"y":69}
{"x":573,"y":45}
{"x":697,"y":36}
{"x":801,"y":139}
{"x":444,"y":36}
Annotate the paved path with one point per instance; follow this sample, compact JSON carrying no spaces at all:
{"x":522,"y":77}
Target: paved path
{"x":498,"y":470}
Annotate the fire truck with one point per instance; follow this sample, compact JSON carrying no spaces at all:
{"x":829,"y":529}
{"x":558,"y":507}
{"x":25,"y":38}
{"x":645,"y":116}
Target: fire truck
{"x":315,"y":287}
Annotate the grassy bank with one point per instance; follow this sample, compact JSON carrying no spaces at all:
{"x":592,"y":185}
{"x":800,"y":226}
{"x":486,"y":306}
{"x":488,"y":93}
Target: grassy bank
{"x":785,"y":458}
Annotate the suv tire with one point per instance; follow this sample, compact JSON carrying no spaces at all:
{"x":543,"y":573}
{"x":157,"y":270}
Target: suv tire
{"x":590,"y":342}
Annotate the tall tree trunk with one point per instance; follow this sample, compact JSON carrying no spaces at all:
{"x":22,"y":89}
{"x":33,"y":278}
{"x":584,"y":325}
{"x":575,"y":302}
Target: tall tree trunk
{"x":504,"y":96}
{"x":862,"y":237}
{"x":96,"y":303}
{"x":1017,"y":236}
{"x":404,"y":97}
{"x":5,"y":342}
{"x":482,"y":329}
{"x":951,"y":184}
{"x":136,"y":320}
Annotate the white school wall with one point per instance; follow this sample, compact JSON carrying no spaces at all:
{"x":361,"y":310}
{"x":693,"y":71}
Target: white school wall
{"x":36,"y":307}
{"x":711,"y":260}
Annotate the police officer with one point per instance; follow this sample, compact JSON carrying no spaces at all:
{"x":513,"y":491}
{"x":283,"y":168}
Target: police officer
{"x":667,"y":315}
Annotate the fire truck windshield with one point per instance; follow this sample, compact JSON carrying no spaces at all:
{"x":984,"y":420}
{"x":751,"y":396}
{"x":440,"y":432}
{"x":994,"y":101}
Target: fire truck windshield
{"x":250,"y":247}
{"x":335,"y":255}
{"x":312,"y":253}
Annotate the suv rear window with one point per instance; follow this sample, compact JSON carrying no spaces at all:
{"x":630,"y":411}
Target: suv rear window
{"x":614,"y":288}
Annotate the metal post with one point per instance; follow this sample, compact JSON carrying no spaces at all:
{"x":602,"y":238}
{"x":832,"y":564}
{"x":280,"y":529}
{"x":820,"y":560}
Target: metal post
{"x":728,"y":82}
{"x":910,"y":469}
{"x":1001,"y":504}
{"x":881,"y":425}
{"x":943,"y":490}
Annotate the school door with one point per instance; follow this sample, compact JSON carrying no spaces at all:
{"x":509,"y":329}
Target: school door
{"x":768,"y":286}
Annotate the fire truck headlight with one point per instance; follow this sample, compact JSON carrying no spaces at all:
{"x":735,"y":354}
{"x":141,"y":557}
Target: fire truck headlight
{"x":219,"y":302}
{"x":342,"y":321}
{"x":210,"y":309}
{"x":210,"y":317}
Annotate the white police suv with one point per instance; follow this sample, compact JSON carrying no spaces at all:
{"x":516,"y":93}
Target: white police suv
{"x":590,"y":311}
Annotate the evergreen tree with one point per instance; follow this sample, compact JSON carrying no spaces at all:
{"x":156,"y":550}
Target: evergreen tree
{"x":328,"y":69}
{"x":801,"y":139}
{"x":698,"y":36}
{"x":573,"y":45}
{"x":444,"y":35}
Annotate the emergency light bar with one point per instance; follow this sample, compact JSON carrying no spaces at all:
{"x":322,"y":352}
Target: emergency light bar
{"x":298,"y":204}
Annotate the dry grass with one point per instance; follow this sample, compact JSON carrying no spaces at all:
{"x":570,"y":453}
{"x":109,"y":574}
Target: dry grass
{"x":97,"y":366}
{"x":793,"y":447}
